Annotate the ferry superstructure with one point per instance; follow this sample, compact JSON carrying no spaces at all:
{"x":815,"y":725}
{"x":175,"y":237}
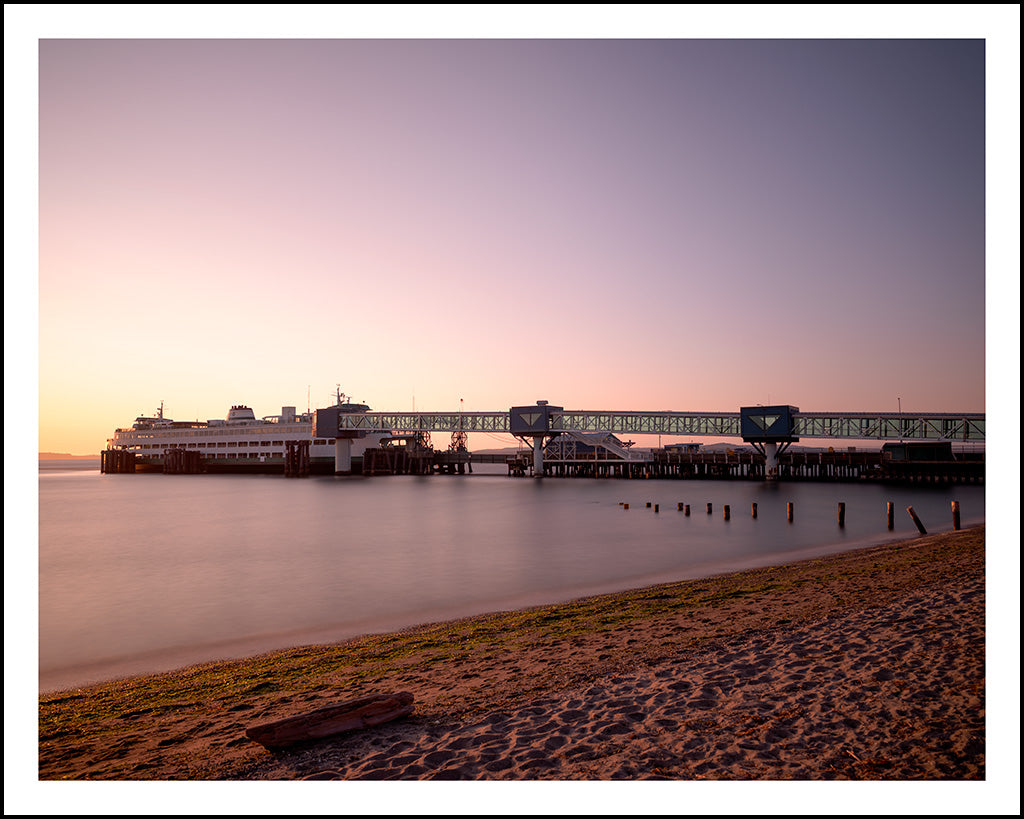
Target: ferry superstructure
{"x":241,"y":442}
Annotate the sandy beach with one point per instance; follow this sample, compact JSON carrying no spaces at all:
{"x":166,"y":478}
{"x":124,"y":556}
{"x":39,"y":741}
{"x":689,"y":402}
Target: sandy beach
{"x":868,"y":665}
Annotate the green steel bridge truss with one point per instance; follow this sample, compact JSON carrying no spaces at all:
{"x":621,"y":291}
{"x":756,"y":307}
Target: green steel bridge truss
{"x":854,"y":425}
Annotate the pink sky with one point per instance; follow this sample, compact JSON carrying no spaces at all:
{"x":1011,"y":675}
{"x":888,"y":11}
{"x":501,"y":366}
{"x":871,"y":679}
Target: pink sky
{"x":675,"y":224}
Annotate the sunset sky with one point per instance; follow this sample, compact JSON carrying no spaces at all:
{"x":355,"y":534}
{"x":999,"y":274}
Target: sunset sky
{"x":685,"y":224}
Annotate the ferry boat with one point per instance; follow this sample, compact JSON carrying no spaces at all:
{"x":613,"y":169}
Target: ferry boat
{"x":241,"y":442}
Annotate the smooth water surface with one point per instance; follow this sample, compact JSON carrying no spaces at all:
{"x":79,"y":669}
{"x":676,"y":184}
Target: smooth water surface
{"x":150,"y":572}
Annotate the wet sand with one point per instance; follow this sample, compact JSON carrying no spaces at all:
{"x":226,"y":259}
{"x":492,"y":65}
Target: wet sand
{"x":868,"y":665}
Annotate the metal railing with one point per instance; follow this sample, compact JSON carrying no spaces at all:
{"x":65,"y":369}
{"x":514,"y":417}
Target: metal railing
{"x":859,"y":425}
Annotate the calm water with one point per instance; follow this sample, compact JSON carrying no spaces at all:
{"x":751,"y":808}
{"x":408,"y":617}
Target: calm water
{"x":143,"y":573}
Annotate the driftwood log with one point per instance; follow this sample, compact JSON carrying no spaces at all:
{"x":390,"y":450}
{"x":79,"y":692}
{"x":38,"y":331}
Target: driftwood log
{"x":351,"y":715}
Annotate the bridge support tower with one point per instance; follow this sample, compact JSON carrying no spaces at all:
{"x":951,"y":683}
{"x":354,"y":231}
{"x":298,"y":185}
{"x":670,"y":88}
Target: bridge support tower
{"x":770,"y":430}
{"x":325,"y":425}
{"x":533,"y":423}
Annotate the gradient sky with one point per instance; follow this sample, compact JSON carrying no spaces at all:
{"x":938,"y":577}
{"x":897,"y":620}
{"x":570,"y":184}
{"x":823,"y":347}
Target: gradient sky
{"x":605,"y":224}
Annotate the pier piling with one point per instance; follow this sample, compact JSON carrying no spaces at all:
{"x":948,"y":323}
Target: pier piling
{"x":917,"y":520}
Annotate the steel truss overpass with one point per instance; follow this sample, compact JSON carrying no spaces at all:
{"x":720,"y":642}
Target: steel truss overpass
{"x":932,"y":426}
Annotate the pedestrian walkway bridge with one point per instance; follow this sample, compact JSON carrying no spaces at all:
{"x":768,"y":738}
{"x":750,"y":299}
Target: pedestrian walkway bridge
{"x":858,"y":425}
{"x":769,"y":428}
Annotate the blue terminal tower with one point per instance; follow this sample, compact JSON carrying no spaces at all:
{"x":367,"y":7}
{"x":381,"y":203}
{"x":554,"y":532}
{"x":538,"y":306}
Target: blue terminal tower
{"x":771,"y":431}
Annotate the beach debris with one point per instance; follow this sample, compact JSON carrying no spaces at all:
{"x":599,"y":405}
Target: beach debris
{"x":351,"y":715}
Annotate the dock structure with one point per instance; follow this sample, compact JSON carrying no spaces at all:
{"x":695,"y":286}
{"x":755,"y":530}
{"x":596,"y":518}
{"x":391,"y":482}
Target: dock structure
{"x":838,"y":425}
{"x":769,"y":429}
{"x":115,"y":461}
{"x":582,"y":443}
{"x":179,"y":461}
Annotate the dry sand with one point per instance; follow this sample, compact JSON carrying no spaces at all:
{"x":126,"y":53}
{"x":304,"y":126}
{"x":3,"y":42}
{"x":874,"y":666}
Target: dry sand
{"x":863,"y":666}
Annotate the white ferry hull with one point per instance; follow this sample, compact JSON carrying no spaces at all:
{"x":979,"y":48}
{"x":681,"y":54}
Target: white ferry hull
{"x":241,"y":444}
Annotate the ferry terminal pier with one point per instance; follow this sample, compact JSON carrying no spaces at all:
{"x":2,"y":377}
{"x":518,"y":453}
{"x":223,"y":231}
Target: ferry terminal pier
{"x":913,"y":447}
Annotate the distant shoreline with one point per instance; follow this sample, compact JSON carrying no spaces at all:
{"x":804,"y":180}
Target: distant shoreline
{"x":64,"y":456}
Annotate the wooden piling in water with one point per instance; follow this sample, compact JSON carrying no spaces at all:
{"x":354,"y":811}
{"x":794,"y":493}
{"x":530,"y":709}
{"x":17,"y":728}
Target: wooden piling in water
{"x":956,"y":515}
{"x":117,"y":461}
{"x":842,"y":515}
{"x":296,"y":459}
{"x":890,"y":514}
{"x":789,"y":511}
{"x":709,"y":508}
{"x":917,"y":520}
{"x":686,"y":510}
{"x":726,"y":511}
{"x":753,"y":510}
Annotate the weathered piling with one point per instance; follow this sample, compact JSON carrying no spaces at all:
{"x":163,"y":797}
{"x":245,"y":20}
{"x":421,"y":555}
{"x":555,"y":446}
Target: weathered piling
{"x":725,"y":511}
{"x":686,"y":510}
{"x":116,"y":461}
{"x":709,"y":508}
{"x":890,"y":514}
{"x":178,"y":461}
{"x":753,"y":510}
{"x":296,"y":459}
{"x":842,"y":515}
{"x":917,"y":520}
{"x":956,"y":515}
{"x":789,"y":511}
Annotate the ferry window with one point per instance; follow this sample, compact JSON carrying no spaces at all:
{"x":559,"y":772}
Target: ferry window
{"x":319,"y":442}
{"x":254,"y":443}
{"x":222,"y":444}
{"x":277,"y":443}
{"x":243,"y":443}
